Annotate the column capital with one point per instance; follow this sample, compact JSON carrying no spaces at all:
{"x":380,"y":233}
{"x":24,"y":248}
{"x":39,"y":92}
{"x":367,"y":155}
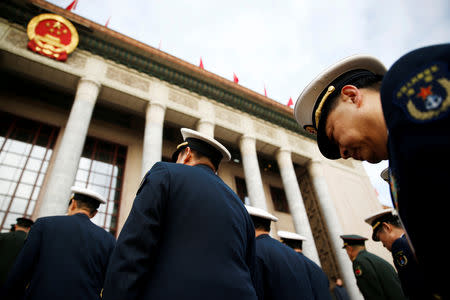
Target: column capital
{"x":283,"y":150}
{"x":206,"y":121}
{"x":247,"y":136}
{"x":90,"y":80}
{"x":158,"y":94}
{"x":156,"y":103}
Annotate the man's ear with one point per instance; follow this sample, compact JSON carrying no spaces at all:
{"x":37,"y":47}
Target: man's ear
{"x":187,"y":155}
{"x":387,"y":227}
{"x":351,"y":93}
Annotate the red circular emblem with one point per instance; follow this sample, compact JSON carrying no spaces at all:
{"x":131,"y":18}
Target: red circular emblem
{"x":52,"y":35}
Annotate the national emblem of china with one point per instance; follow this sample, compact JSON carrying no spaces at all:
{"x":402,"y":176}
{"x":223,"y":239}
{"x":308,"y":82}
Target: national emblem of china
{"x":52,"y":35}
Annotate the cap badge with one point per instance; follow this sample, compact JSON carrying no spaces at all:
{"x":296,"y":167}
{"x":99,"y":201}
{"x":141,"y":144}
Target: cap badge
{"x":426,"y":95}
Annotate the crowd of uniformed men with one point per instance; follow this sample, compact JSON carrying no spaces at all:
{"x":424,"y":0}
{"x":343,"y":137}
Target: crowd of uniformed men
{"x":189,"y":236}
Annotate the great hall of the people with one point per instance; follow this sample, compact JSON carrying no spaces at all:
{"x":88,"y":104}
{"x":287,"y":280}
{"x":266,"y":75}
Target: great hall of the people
{"x":102,"y":117}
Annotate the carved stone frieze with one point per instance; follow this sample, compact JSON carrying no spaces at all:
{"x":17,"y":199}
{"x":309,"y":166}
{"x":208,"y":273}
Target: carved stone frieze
{"x":17,"y":38}
{"x":127,"y":78}
{"x":183,"y":99}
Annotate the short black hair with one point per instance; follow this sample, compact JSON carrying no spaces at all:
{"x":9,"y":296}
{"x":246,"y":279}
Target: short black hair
{"x":367,"y":82}
{"x":395,"y":220}
{"x":294,"y":244}
{"x":24,"y":222}
{"x":86,"y":202}
{"x":261,"y":223}
{"x":200,"y":155}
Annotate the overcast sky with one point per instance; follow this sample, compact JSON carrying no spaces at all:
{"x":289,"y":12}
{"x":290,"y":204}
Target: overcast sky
{"x":281,"y":44}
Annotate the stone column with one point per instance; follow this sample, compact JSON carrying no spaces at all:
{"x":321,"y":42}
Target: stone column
{"x":295,"y":202}
{"x":334,"y":228}
{"x":206,"y":126}
{"x":55,"y":199}
{"x":252,"y":173}
{"x":154,"y":123}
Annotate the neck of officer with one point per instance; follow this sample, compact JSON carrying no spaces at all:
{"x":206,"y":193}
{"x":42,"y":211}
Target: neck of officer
{"x":20,"y":228}
{"x":193,"y":161}
{"x":259,"y":232}
{"x":79,"y":211}
{"x":355,"y":251}
{"x":298,"y":250}
{"x":205,"y":162}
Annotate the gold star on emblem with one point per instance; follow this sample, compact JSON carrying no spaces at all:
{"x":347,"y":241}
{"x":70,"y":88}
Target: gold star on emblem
{"x":57,"y":25}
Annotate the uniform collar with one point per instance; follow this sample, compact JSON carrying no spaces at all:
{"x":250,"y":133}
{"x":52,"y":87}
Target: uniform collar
{"x":82,"y":215}
{"x":20,"y":232}
{"x":205,"y":167}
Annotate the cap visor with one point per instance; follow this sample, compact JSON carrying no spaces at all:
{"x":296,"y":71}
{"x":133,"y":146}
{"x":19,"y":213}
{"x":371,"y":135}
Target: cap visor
{"x":326,"y":147}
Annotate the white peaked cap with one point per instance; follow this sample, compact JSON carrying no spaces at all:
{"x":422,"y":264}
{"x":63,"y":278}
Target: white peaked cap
{"x":89,"y":193}
{"x":389,"y":211}
{"x":189,"y":133}
{"x":259,"y":212}
{"x":291,"y":235}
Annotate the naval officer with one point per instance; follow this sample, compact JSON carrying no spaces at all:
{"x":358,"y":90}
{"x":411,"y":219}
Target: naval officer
{"x":188,"y":235}
{"x":388,"y":229}
{"x":280,"y":272}
{"x":64,"y":257}
{"x":375,"y":277}
{"x":318,"y":278}
{"x":10,"y":245}
{"x":359,"y":110}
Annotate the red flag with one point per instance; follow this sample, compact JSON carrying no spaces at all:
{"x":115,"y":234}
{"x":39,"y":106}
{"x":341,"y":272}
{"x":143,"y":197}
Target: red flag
{"x":235,"y":79}
{"x":201,"y":64}
{"x":72,"y":5}
{"x":265,"y":92}
{"x":107,"y":22}
{"x":290,"y":102}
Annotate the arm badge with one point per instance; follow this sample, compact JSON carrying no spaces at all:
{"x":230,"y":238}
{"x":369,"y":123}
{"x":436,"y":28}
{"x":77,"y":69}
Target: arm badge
{"x":425,"y":96}
{"x":401,"y":259}
{"x":358,"y":271}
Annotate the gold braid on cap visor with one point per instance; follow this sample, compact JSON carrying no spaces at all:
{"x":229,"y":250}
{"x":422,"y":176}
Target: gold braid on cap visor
{"x":376,"y":225}
{"x":322,"y":102}
{"x":181,"y":145}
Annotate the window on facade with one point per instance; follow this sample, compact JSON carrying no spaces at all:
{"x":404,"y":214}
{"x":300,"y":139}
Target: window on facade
{"x":279,"y":199}
{"x":241,"y":190}
{"x":101,"y":169}
{"x":25,"y":150}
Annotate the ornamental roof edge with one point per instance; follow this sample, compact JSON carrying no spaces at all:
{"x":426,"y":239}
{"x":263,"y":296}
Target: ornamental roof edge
{"x":125,"y":50}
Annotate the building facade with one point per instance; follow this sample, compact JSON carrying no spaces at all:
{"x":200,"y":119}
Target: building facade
{"x":104,"y":116}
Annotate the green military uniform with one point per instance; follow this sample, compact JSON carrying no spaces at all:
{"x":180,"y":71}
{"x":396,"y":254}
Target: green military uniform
{"x":376,"y":278}
{"x":10,"y":245}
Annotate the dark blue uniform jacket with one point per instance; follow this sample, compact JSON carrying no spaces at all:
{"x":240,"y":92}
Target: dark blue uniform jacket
{"x":64,"y":257}
{"x":412,"y":278}
{"x":415,"y":96}
{"x":280,"y":272}
{"x":188,"y":236}
{"x":318,"y":278}
{"x":340,"y":293}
